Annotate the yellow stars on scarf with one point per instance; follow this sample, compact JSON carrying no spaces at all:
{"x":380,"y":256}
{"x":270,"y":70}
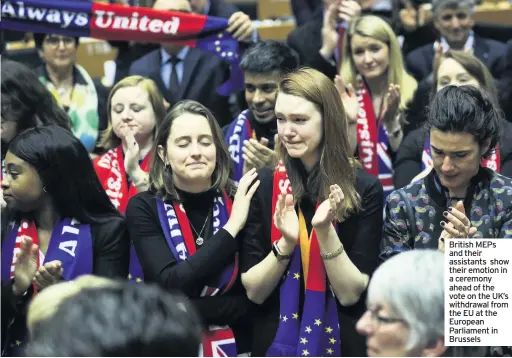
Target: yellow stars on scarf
{"x":305,"y":352}
{"x":285,"y":319}
{"x":18,"y":343}
{"x":308,"y":329}
{"x":318,"y":322}
{"x":330,"y":351}
{"x":332,"y":341}
{"x":295,"y":316}
{"x":137,"y":279}
{"x":303,"y":340}
{"x":328,"y":330}
{"x":296,"y":276}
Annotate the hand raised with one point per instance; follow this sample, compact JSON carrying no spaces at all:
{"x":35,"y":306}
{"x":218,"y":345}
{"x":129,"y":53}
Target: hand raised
{"x":348,"y":97}
{"x":48,"y":274}
{"x":329,"y":209}
{"x":240,"y":26}
{"x":26,"y":265}
{"x":286,"y":219}
{"x":259,"y":155}
{"x":243,"y":196}
{"x":392,"y":103}
{"x":458,"y":224}
{"x":131,"y":156}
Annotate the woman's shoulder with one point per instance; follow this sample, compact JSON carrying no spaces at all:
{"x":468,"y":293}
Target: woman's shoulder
{"x":106,"y":231}
{"x":367,"y":183}
{"x":501,"y":185}
{"x":142,"y":200}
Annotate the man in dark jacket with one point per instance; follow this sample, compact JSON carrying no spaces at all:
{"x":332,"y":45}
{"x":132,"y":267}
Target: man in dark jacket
{"x":453,"y":19}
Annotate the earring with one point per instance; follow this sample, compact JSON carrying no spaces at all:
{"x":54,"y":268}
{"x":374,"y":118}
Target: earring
{"x":44,"y":189}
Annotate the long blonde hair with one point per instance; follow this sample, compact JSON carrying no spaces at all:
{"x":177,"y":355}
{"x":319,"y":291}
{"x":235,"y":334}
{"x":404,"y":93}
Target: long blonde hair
{"x":378,"y":29}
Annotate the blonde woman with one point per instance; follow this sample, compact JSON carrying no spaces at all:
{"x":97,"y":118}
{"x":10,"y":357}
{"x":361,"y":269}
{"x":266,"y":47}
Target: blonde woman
{"x":135,"y":109}
{"x":375,"y":89}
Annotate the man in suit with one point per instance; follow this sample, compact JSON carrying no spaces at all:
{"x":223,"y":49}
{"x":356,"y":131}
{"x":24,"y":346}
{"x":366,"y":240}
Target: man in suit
{"x":453,"y":19}
{"x":316,"y":42}
{"x":240,"y":25}
{"x":182,"y":72}
{"x":250,"y":137}
{"x":303,"y":10}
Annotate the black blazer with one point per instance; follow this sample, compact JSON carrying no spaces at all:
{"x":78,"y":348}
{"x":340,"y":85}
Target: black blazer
{"x":419,"y":62}
{"x":203,"y":74}
{"x":306,"y":40}
{"x":220,"y":8}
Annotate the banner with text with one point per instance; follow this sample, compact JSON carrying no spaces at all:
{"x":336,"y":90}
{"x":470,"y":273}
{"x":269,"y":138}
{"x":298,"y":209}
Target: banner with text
{"x":117,"y":22}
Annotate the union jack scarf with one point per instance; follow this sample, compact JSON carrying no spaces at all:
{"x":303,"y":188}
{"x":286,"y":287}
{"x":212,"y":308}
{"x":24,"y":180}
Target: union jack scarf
{"x":372,"y":141}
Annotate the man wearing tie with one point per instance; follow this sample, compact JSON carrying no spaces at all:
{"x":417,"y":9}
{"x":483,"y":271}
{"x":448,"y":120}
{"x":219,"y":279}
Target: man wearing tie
{"x":182,"y":72}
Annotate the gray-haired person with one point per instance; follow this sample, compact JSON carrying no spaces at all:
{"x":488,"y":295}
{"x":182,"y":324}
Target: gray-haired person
{"x":405,"y":315}
{"x":454,"y":21}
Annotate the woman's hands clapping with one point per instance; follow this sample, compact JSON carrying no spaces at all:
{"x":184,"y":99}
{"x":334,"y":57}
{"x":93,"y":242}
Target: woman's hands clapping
{"x":458,"y":225}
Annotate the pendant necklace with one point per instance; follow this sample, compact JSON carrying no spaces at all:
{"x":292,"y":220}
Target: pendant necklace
{"x":200,"y":240}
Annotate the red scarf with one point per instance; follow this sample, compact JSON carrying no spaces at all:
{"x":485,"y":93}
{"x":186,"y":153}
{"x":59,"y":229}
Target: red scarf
{"x":494,"y":160}
{"x":367,"y":134}
{"x":110,"y":170}
{"x":27,"y":229}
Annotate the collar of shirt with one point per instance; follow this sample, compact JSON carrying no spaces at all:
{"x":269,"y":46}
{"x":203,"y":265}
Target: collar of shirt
{"x":181,"y":55}
{"x":468,"y":46}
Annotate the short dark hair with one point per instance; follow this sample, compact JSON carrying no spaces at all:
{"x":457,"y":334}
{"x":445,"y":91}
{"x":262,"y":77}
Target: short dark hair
{"x":128,"y":320}
{"x":466,"y":109}
{"x":26,"y":101}
{"x":67,"y":173}
{"x":39,"y":39}
{"x":269,"y":56}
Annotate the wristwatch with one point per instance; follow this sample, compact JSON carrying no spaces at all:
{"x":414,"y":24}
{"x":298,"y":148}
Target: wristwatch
{"x":279,"y":256}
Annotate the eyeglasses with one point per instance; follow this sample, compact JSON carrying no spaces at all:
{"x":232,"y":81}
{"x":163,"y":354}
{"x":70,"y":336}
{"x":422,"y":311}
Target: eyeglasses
{"x":377,"y":319}
{"x":459,"y":15}
{"x":54,"y":41}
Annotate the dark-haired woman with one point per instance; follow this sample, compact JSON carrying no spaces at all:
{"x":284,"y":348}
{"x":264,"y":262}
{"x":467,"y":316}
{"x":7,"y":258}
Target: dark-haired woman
{"x":459,"y":197}
{"x":185,"y":227}
{"x":453,"y":68}
{"x":310,"y":243}
{"x":73,"y":88}
{"x":54,"y":198}
{"x":26,"y":103}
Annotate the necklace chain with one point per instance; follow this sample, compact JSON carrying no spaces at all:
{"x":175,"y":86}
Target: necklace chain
{"x":204,"y":225}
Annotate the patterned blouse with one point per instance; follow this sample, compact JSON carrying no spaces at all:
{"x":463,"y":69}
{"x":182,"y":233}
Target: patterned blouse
{"x":488,"y":204}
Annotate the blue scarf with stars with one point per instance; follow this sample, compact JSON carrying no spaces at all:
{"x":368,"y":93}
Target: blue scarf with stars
{"x":315,"y":331}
